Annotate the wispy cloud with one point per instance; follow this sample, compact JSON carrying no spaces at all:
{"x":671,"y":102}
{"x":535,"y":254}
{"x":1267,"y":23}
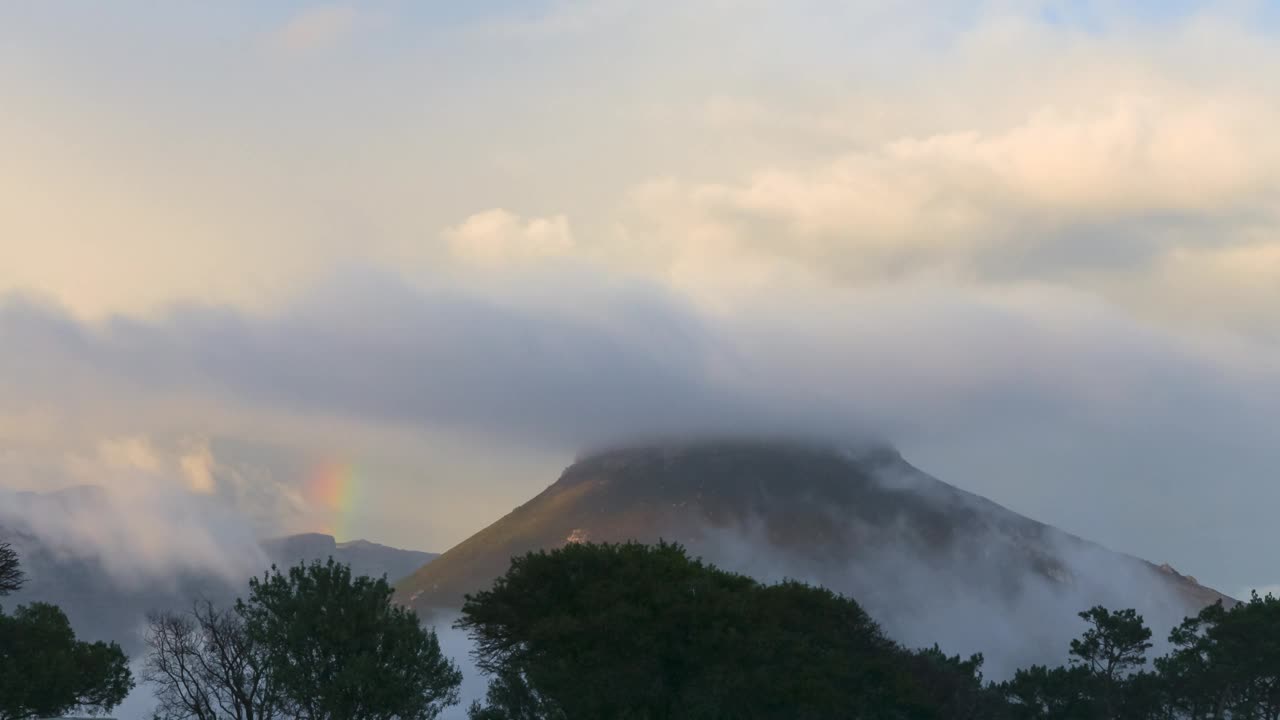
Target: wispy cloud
{"x":315,"y":29}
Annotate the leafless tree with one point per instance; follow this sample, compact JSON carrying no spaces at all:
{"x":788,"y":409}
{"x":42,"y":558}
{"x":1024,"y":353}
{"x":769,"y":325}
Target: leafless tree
{"x":204,"y":667}
{"x":11,"y":578}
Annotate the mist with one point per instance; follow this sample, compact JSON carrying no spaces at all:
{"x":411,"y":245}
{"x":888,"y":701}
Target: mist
{"x":978,"y":597}
{"x":1043,"y":399}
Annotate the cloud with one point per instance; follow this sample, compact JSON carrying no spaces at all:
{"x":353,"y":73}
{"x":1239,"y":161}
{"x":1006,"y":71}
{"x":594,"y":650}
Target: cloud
{"x":1050,"y":197}
{"x":139,"y":520}
{"x":150,"y":504}
{"x":316,"y":28}
{"x":129,"y":453}
{"x":497,"y":237}
{"x":982,"y":386}
{"x":999,"y":146}
{"x":197,"y":467}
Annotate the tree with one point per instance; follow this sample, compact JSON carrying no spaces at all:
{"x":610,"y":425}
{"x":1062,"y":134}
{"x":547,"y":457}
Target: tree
{"x":337,"y":649}
{"x":952,"y":686}
{"x":46,"y":672}
{"x":637,"y":631}
{"x":1145,"y":696}
{"x":1226,"y":662}
{"x":1042,"y":693}
{"x":11,"y":578}
{"x":203,"y":666}
{"x":509,"y":697}
{"x":1114,"y":646}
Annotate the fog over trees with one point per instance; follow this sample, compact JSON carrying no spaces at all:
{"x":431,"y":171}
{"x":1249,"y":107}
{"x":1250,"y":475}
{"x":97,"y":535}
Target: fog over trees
{"x":634,"y":631}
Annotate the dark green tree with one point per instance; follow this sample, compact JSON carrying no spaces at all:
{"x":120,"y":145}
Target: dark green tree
{"x":46,"y":672}
{"x":1200,"y":683}
{"x":337,"y":649}
{"x":1042,"y":693}
{"x":1226,"y":662}
{"x":646,"y":632}
{"x":10,"y":570}
{"x":1113,"y":647}
{"x":1145,"y":696}
{"x":952,"y":686}
{"x":509,"y":697}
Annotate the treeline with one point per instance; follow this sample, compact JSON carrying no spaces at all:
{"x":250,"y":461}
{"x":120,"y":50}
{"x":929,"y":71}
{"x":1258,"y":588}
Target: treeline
{"x":626,"y":631}
{"x":635,"y":631}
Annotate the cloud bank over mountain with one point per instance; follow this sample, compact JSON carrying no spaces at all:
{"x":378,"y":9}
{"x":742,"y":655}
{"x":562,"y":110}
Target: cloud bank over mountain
{"x":1044,"y":399}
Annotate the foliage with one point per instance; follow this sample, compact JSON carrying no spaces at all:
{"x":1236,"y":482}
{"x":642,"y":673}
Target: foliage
{"x":509,"y":697}
{"x":1226,"y":663}
{"x":952,"y":686}
{"x":1115,"y":644}
{"x":337,"y":649}
{"x":635,"y":631}
{"x":46,"y":672}
{"x":1113,"y":647}
{"x":11,"y":578}
{"x":202,"y":666}
{"x":1042,"y":693}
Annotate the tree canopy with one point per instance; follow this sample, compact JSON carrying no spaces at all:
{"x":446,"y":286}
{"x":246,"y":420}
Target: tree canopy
{"x":11,"y":577}
{"x":1226,"y":662}
{"x":46,"y":672}
{"x":337,"y":649}
{"x":636,"y":631}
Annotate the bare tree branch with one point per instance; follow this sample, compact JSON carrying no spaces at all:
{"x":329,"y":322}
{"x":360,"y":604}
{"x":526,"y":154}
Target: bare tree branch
{"x":204,"y":667}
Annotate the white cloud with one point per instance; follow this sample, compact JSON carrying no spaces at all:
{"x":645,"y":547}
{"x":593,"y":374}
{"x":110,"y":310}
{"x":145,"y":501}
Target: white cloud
{"x":141,"y":519}
{"x":130,"y":453}
{"x":959,"y":197}
{"x":497,"y":237}
{"x":197,"y":467}
{"x":996,"y":146}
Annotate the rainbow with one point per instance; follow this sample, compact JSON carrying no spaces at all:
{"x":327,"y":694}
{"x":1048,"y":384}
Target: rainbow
{"x":331,"y":490}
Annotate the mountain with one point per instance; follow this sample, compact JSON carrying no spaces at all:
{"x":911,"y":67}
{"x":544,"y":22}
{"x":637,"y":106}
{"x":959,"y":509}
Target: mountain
{"x":930,"y":561}
{"x":76,"y":555}
{"x":364,"y":557}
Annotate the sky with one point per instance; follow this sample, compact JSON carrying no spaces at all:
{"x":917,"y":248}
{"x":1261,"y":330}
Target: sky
{"x":383,"y":269}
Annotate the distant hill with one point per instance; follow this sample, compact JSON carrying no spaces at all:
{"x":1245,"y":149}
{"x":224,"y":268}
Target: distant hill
{"x":107,"y":597}
{"x":930,"y":561}
{"x":364,"y":557}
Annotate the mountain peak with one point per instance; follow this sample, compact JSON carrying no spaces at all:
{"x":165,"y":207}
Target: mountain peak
{"x":913,"y":549}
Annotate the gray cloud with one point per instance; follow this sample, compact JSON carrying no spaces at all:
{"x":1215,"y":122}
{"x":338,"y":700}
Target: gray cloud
{"x":1048,"y":401}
